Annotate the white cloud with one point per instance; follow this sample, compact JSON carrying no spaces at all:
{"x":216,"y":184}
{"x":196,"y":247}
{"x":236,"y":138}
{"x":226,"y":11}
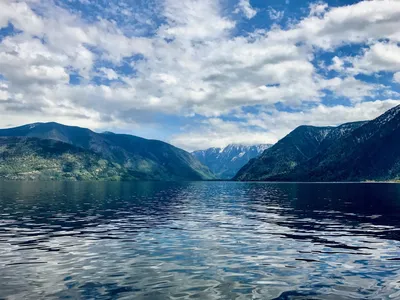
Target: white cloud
{"x":337,"y":64}
{"x":245,"y":7}
{"x":194,"y":20}
{"x":350,"y":87}
{"x":275,"y":15}
{"x":318,"y":9}
{"x":396,"y":77}
{"x":357,"y":23}
{"x":68,"y":34}
{"x":109,"y":73}
{"x":379,"y":57}
{"x":21,"y":15}
{"x":3,"y":91}
{"x":25,"y":61}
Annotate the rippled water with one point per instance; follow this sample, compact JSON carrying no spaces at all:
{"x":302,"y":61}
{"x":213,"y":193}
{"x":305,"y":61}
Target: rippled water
{"x":211,"y":240}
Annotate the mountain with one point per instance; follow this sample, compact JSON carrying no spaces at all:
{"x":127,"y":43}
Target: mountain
{"x":225,"y":162}
{"x":356,"y":151}
{"x":297,"y":147}
{"x":370,"y":152}
{"x":140,"y":158}
{"x":337,"y":133}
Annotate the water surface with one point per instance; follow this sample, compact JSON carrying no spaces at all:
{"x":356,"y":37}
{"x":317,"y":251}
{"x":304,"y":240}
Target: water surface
{"x":200,"y":240}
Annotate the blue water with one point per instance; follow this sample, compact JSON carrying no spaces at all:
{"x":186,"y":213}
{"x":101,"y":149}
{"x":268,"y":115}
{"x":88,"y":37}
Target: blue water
{"x":215,"y":240}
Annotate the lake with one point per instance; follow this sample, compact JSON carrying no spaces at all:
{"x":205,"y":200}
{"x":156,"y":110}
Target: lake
{"x":199,"y":240}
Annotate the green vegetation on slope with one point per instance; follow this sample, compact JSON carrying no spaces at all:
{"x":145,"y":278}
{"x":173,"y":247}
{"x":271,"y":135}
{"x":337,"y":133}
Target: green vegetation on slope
{"x":33,"y":159}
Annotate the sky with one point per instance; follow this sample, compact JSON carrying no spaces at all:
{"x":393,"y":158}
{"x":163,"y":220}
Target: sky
{"x":198,"y":73}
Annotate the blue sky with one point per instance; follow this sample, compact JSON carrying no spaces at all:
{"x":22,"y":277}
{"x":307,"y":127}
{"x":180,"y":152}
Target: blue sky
{"x":198,"y":73}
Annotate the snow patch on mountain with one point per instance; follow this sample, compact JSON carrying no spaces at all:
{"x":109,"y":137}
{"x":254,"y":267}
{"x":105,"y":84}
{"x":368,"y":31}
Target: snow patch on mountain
{"x":226,"y":161}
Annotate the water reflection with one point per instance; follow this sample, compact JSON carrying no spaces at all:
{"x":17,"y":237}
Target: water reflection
{"x":213,"y":240}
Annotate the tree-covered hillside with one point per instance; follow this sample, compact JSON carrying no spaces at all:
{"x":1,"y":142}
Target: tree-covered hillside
{"x":33,"y":158}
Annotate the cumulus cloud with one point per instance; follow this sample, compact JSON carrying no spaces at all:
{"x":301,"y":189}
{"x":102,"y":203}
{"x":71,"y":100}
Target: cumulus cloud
{"x":357,"y":23}
{"x":379,"y":57}
{"x":396,"y":77}
{"x":338,"y":64}
{"x":351,"y":88}
{"x":275,"y":15}
{"x":318,"y":8}
{"x":245,"y":7}
{"x":109,"y":73}
{"x":3,"y":91}
{"x":194,"y":20}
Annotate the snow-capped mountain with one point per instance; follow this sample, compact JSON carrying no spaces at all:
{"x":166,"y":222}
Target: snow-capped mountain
{"x":225,"y":162}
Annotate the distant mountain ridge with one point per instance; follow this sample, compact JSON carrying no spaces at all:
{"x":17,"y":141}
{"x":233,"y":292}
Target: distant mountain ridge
{"x":355,"y":151}
{"x":225,"y":162}
{"x":140,"y":158}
